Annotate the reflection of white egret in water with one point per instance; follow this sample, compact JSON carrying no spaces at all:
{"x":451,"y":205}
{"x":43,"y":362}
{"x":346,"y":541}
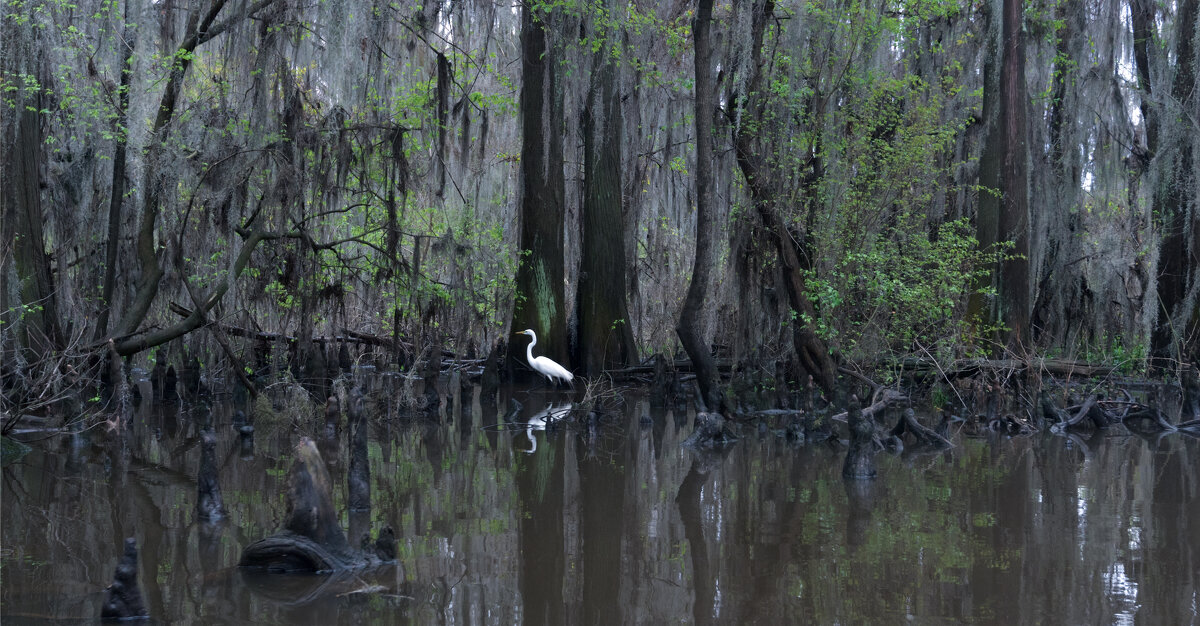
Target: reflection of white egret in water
{"x":547,"y":416}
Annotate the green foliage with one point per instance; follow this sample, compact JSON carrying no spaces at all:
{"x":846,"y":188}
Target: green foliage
{"x":1110,"y":350}
{"x":861,"y":180}
{"x":902,"y":292}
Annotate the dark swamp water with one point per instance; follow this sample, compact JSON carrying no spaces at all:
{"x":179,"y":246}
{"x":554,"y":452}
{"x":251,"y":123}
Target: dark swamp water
{"x":615,"y":525}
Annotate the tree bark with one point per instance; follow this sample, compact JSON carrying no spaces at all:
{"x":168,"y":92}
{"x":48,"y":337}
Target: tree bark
{"x":1014,"y":181}
{"x":1142,"y":14}
{"x":540,"y":278}
{"x":34,"y":314}
{"x":605,"y":338}
{"x":1003,"y":213}
{"x":117,"y":194}
{"x":688,"y":328}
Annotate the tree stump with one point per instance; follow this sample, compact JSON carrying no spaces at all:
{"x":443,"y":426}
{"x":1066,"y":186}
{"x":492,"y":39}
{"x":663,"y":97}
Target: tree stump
{"x":860,"y":458}
{"x":123,"y":599}
{"x":711,"y":432}
{"x":311,"y":539}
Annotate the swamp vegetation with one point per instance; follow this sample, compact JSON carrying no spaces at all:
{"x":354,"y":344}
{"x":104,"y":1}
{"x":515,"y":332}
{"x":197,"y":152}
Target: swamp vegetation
{"x":250,"y":187}
{"x":966,"y":233}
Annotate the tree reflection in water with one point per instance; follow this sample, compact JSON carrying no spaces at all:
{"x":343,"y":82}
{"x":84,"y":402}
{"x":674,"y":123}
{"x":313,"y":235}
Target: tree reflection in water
{"x":617,"y":525}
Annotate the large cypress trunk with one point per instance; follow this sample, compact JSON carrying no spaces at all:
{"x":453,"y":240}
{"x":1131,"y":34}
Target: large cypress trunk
{"x":1014,"y":180}
{"x":688,"y":328}
{"x":605,"y":336}
{"x":1003,"y":214}
{"x":34,"y":315}
{"x":540,"y":291}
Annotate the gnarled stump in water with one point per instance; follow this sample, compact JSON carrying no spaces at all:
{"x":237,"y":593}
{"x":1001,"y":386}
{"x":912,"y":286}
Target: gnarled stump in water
{"x":311,"y":539}
{"x":711,"y":432}
{"x":860,"y":458}
{"x":123,"y":599}
{"x":908,"y":424}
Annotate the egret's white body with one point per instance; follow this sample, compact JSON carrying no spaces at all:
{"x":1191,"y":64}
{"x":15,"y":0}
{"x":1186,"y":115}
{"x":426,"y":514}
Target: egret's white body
{"x":543,"y":365}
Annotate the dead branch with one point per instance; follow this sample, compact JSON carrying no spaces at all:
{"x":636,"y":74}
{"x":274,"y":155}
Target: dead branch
{"x":908,"y":424}
{"x":887,"y":397}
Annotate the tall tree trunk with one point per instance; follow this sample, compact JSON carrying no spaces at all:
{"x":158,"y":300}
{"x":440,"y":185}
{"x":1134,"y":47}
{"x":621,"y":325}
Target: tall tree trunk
{"x":987,"y":214}
{"x":1004,"y":170}
{"x":1178,"y":325}
{"x":1015,"y":293}
{"x":688,"y":328}
{"x":791,"y":244}
{"x":34,"y":315}
{"x":151,"y":265}
{"x":605,"y":336}
{"x":540,"y":290}
{"x":117,"y":194}
{"x":1142,"y":13}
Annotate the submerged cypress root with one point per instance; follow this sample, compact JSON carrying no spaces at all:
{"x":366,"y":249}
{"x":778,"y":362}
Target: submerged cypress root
{"x":860,"y":458}
{"x":123,"y":599}
{"x":311,"y":539}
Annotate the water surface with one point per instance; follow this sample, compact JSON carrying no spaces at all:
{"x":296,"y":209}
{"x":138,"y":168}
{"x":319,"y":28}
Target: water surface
{"x":616,"y":524}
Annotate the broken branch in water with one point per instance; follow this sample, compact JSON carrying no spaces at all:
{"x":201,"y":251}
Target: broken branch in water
{"x":887,"y":397}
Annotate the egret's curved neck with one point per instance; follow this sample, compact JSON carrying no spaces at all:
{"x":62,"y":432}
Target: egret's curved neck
{"x":529,"y":348}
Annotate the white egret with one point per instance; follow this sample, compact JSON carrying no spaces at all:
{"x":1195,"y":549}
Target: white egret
{"x":543,"y":365}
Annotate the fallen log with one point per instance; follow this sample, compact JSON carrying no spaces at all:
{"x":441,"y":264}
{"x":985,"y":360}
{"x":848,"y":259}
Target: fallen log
{"x":970,"y":367}
{"x":350,"y":336}
{"x":1148,"y":419}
